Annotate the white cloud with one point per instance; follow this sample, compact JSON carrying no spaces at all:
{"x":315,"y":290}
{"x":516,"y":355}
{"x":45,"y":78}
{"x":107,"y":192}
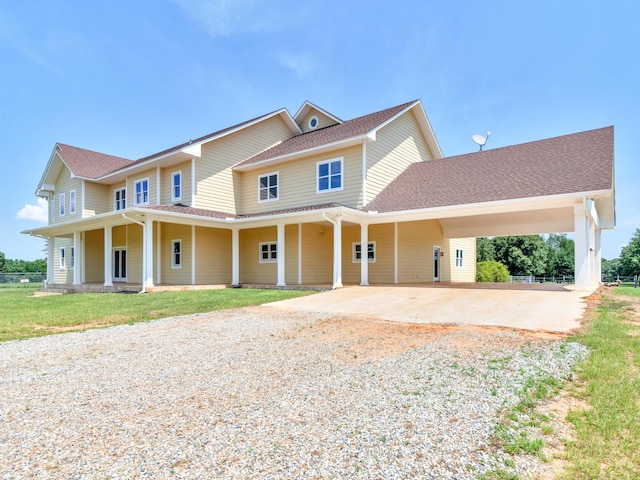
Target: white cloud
{"x":37,"y":212}
{"x":300,"y":64}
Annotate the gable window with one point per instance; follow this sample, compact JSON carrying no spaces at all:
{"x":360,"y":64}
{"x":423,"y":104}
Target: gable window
{"x":313,"y":122}
{"x":176,"y":186}
{"x":176,"y":254}
{"x":142,"y":192}
{"x":63,"y":259}
{"x":459,"y":257}
{"x":357,"y":252}
{"x":62,"y":204}
{"x":72,"y":202}
{"x":268,"y":187}
{"x":329,"y":175}
{"x":120,"y":199}
{"x":268,"y":252}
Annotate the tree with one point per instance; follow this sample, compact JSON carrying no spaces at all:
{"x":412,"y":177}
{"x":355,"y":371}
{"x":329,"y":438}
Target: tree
{"x":630,"y":255}
{"x":491,"y":271}
{"x":2,"y":260}
{"x":611,"y":269}
{"x":561,"y":256}
{"x":522,"y":255}
{"x":484,"y":249}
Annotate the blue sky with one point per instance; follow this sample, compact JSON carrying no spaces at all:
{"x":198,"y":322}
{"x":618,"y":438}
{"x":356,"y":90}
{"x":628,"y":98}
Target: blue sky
{"x":131,"y":78}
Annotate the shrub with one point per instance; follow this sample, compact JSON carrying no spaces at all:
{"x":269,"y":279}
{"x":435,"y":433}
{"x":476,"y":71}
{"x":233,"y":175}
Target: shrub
{"x":491,"y":271}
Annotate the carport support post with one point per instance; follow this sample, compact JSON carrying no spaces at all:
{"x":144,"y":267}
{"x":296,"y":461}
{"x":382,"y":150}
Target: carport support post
{"x":77,"y":255}
{"x":364,"y":254}
{"x":147,"y":264}
{"x":582,"y":252}
{"x":337,"y":252}
{"x":108,"y":282}
{"x":235,"y":257}
{"x":280,"y":255}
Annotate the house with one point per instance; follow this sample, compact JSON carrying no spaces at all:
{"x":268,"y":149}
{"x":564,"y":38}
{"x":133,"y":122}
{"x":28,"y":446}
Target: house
{"x":311,"y":199}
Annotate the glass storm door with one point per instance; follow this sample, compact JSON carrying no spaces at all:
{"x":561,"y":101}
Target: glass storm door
{"x":436,"y":264}
{"x":120,"y":265}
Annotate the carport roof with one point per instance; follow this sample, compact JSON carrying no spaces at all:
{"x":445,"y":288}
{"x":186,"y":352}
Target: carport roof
{"x":576,"y":163}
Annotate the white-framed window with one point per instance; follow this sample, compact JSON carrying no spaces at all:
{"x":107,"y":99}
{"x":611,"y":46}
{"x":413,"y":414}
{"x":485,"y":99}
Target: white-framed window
{"x":176,"y":254}
{"x":120,"y":199}
{"x":268,"y":252}
{"x":141,"y":192}
{"x":62,"y":202}
{"x":329,"y":175}
{"x":72,"y":260}
{"x":313,"y":122}
{"x":357,"y":252}
{"x":176,"y":186}
{"x":459,"y":258}
{"x":72,"y":202}
{"x":63,"y":259}
{"x":268,"y":187}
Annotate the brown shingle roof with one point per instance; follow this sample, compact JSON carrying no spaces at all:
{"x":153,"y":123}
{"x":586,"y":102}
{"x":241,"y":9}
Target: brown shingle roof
{"x":202,"y":212}
{"x":324,"y":136}
{"x":580,"y":162}
{"x":90,"y":164}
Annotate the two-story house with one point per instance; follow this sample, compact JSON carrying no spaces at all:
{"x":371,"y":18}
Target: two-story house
{"x":311,"y":199}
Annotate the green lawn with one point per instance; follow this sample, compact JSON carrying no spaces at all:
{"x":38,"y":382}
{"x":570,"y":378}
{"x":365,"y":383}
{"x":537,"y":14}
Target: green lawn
{"x":608,"y":430}
{"x":22,"y":316}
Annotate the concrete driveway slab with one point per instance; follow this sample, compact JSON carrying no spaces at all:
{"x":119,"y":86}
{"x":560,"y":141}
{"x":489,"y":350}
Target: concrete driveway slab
{"x":551,"y":308}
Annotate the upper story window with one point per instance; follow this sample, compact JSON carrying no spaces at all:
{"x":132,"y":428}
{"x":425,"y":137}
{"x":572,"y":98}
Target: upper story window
{"x":371,"y":252}
{"x":268,"y":252}
{"x":141,"y":192}
{"x":459,"y":258}
{"x":329,"y":175}
{"x":313,"y":122}
{"x":268,"y":187}
{"x":176,"y":254}
{"x":72,"y":202}
{"x":176,"y":186}
{"x":120,"y":199}
{"x":62,"y":202}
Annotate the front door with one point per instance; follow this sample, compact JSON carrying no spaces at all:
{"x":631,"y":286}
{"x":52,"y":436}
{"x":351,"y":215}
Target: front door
{"x":120,"y":265}
{"x":436,"y":264}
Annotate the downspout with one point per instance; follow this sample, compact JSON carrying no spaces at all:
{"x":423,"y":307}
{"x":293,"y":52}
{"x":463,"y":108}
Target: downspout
{"x":144,"y":233}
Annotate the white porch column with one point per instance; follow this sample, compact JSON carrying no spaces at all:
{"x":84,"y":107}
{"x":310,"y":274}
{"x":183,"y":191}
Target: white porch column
{"x":364,"y":254}
{"x":582,"y":253}
{"x":280,"y":256}
{"x":235,"y":257}
{"x":147,"y":254}
{"x":51,"y":260}
{"x":299,"y":254}
{"x":337,"y":252}
{"x":77,"y":262}
{"x":108,"y":246}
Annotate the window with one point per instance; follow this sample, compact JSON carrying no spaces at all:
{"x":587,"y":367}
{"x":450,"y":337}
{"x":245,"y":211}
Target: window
{"x":176,"y":254}
{"x":313,"y":122}
{"x":142,"y":192}
{"x":72,"y":202}
{"x":62,"y":204}
{"x":459,"y":256}
{"x":371,"y":252}
{"x":329,"y":175}
{"x":63,"y":260}
{"x":120,"y":199}
{"x":268,"y":252}
{"x":268,"y":187}
{"x":176,"y":186}
{"x":73,"y":258}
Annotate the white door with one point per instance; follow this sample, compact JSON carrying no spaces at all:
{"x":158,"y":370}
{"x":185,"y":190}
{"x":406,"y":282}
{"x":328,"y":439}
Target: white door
{"x":436,"y":264}
{"x":120,"y":265}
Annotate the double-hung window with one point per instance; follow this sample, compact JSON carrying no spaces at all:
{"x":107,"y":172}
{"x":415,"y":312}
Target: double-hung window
{"x":72,"y":202}
{"x":62,"y":202}
{"x":120,"y":199}
{"x":459,"y":257}
{"x":63,"y":259}
{"x":176,"y":254}
{"x":357,"y":252}
{"x":176,"y":186}
{"x":268,"y":252}
{"x":268,"y":187}
{"x":329,"y":175}
{"x":141,"y":192}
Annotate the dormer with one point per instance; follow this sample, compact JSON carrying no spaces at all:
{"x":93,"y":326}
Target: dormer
{"x":311,"y":117}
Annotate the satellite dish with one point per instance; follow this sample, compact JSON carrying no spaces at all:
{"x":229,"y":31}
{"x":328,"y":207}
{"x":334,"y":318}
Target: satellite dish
{"x":480,"y":140}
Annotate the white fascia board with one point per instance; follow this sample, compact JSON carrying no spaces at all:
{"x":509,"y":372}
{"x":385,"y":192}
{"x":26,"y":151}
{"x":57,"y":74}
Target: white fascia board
{"x":47,"y":169}
{"x":307,"y":105}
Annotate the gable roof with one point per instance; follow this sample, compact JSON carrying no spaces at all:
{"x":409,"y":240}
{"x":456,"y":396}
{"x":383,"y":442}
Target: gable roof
{"x":576,"y":163}
{"x":355,"y":129}
{"x":307,"y":106}
{"x":90,"y":164}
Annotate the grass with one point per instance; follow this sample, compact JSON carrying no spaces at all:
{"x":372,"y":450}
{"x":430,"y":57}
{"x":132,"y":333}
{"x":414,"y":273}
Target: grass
{"x":22,"y":316}
{"x":608,"y":430}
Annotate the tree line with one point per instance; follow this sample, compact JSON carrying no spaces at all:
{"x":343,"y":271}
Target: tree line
{"x":628,"y":264}
{"x":20,"y":266}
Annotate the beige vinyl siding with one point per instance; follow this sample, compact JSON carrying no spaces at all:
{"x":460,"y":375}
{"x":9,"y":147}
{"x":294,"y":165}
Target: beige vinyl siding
{"x":152,"y":176}
{"x":317,"y":254}
{"x":415,"y":250}
{"x":323,"y":120}
{"x":291,"y":254}
{"x":397,"y":145}
{"x":64,"y":184}
{"x":63,"y":276}
{"x":96,"y":199}
{"x":166,"y":188}
{"x":298,"y":183}
{"x":215,"y":181}
{"x":468,"y":271}
{"x":380,"y":271}
{"x":251,"y":270}
{"x":169,"y":233}
{"x":94,"y":256}
{"x":213,"y":256}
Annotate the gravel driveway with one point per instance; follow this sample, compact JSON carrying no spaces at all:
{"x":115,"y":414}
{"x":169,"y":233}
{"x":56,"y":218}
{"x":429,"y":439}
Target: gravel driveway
{"x":260,"y":393}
